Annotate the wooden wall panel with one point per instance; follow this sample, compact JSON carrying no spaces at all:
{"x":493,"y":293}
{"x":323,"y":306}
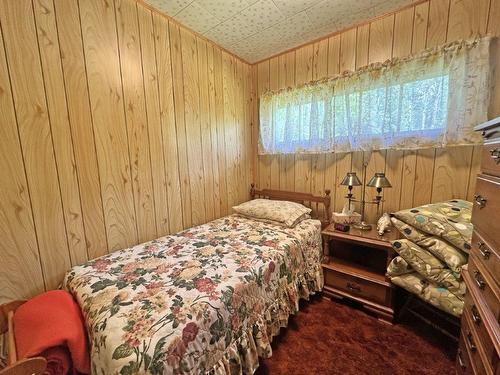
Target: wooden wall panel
{"x":80,"y":119}
{"x":17,"y":229}
{"x":30,"y":102}
{"x":106,"y":98}
{"x":153,"y":114}
{"x":420,"y":176}
{"x":61,"y":133}
{"x":136,"y":118}
{"x":120,"y":126}
{"x":168,"y":122}
{"x":196,"y":195}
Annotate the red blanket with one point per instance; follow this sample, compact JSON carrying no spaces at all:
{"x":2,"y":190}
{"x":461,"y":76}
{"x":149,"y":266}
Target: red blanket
{"x":51,"y":325}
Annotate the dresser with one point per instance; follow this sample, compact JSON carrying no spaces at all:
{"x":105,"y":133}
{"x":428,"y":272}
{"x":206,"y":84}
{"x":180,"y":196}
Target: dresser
{"x":479,"y":344}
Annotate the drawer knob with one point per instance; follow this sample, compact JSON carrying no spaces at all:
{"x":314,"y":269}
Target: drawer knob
{"x":483,"y":250}
{"x":479,"y":280}
{"x":353,"y":287}
{"x":495,"y":155}
{"x":475,"y":315}
{"x":480,"y":200}
{"x":470,"y":342}
{"x":460,"y":360}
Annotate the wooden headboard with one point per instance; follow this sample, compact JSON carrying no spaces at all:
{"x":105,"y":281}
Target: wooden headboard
{"x":314,"y":202}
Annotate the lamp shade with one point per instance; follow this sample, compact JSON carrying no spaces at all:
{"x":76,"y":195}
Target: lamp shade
{"x":351,"y":180}
{"x":379,"y":181}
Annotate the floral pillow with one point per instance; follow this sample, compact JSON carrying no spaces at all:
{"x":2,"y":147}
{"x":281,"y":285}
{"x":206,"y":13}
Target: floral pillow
{"x":284,"y":213}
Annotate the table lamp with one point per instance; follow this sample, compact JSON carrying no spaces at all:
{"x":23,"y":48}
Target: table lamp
{"x":378,"y":181}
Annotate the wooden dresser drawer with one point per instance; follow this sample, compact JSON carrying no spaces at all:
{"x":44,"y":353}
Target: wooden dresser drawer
{"x":478,"y":317}
{"x":484,"y":286}
{"x":355,"y":286}
{"x":472,"y":344}
{"x":486,"y":207}
{"x":490,"y":159}
{"x":486,"y":255}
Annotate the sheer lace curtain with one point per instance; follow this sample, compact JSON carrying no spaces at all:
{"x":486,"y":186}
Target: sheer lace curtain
{"x":430,"y":100}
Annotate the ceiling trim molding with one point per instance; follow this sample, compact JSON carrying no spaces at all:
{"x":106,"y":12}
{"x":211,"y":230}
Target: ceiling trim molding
{"x":338,"y":32}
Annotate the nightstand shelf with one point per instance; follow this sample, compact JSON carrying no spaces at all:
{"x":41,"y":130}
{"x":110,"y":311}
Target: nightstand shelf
{"x":354,"y":267}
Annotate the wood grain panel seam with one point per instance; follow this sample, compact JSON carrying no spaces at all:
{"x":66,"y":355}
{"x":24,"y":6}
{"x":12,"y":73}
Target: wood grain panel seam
{"x":24,"y":162}
{"x":155,"y":33}
{"x":51,"y":136}
{"x":93,"y":123}
{"x":129,"y":164}
{"x":427,"y":25}
{"x":412,"y":30}
{"x":147,"y":118}
{"x":153,"y":200}
{"x":489,"y":16}
{"x":174,"y":94}
{"x":393,"y":31}
{"x":70,"y":128}
{"x":201,"y":132}
{"x":447,"y":21}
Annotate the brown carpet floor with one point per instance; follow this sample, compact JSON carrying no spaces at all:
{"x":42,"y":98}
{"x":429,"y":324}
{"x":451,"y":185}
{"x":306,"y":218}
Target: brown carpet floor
{"x":328,"y":337}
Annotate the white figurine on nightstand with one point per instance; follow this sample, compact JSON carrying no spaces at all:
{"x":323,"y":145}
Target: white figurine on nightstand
{"x":383,"y":223}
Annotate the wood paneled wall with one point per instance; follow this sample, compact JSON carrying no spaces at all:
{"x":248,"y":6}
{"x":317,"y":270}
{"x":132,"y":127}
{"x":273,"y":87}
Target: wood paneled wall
{"x":418,"y":177}
{"x":117,"y":126}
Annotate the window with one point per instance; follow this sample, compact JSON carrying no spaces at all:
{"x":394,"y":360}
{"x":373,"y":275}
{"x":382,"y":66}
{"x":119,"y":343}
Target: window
{"x":430,"y":100}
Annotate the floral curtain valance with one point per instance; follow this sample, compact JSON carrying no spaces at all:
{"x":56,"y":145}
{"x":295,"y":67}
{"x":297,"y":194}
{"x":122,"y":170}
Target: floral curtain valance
{"x":433,"y":99}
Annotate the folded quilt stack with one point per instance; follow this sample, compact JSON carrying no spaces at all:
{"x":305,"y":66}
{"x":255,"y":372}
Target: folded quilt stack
{"x":436,"y":246}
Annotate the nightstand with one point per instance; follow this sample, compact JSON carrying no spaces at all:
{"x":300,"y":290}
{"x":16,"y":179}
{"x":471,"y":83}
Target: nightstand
{"x":354,"y":267}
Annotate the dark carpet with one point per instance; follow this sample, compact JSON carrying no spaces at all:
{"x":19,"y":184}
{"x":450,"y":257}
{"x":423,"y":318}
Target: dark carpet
{"x":328,"y":337}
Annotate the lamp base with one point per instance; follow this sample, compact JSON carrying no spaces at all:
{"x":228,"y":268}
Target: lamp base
{"x":362,"y":226}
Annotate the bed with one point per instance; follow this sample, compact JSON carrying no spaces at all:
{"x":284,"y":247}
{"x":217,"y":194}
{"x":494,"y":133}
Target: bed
{"x":206,"y":300}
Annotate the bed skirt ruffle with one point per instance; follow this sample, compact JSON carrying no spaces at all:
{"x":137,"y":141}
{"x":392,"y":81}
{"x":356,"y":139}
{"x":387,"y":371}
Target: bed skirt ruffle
{"x":242,"y":355}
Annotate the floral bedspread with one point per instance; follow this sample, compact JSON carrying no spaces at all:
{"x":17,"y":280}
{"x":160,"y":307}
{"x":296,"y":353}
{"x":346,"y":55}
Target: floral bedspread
{"x":205,"y":300}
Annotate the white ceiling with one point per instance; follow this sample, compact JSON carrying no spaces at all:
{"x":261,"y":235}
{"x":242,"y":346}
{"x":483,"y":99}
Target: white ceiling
{"x":257,"y":29}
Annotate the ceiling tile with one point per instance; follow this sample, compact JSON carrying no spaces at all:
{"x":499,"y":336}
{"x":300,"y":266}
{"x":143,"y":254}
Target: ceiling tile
{"x":261,"y":15}
{"x":328,"y":11}
{"x":230,"y":31}
{"x":224,"y":9}
{"x":170,"y":7}
{"x":197,"y":18}
{"x":291,"y":7}
{"x":257,"y":29}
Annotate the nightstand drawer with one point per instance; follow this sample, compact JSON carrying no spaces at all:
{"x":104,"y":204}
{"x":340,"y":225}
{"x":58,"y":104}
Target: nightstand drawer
{"x":357,"y":287}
